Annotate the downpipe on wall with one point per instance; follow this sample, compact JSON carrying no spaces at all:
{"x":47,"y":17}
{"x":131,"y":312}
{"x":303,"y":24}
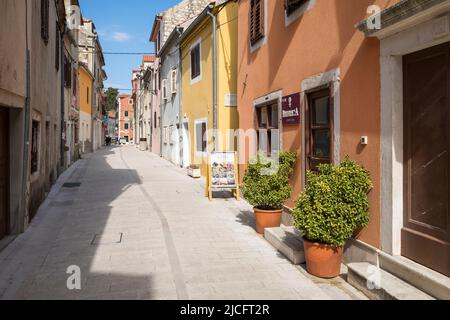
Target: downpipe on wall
{"x":214,"y":33}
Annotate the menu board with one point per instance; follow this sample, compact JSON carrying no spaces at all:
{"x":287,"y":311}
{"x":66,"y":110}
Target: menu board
{"x":222,"y":173}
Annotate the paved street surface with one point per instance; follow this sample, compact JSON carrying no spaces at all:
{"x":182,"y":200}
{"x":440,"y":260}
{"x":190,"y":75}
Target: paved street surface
{"x":140,"y":228}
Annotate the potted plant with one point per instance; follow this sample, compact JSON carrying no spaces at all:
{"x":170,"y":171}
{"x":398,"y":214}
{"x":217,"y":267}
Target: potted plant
{"x":333,"y":205}
{"x":194,"y":171}
{"x":266,"y":187}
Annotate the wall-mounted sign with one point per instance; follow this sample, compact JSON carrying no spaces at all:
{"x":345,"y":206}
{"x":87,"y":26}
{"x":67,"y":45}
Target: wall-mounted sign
{"x":291,"y":109}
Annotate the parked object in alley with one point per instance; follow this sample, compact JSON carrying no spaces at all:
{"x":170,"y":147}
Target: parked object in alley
{"x":334,"y":204}
{"x":222,"y":174}
{"x":266,"y":187}
{"x":143,"y":144}
{"x":194,"y":171}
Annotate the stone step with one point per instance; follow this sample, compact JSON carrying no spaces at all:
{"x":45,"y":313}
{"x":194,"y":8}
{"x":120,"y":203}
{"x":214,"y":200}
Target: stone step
{"x":423,"y":278}
{"x":378,"y":284}
{"x":288,"y":241}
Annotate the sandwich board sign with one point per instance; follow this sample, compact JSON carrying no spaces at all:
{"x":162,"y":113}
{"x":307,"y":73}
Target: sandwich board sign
{"x":222,"y":173}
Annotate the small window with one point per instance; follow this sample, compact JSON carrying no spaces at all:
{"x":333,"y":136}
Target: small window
{"x":267,"y":127}
{"x":35,"y":136}
{"x":319,"y":129}
{"x":256,"y":20}
{"x":173,"y":82}
{"x":126,"y":126}
{"x":201,"y":139}
{"x":164,"y":89}
{"x":87,"y":94}
{"x":131,"y":101}
{"x":126,"y":113}
{"x":45,"y":7}
{"x":292,"y":5}
{"x":154,"y":120}
{"x":195,"y":62}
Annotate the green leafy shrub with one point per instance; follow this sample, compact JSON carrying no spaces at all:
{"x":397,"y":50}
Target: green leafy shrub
{"x":334,"y":204}
{"x":266,"y":185}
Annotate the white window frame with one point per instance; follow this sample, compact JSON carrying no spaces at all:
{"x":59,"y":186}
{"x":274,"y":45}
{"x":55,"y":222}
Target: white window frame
{"x":196,"y":122}
{"x":199,"y":77}
{"x":164,"y":89}
{"x":173,"y":81}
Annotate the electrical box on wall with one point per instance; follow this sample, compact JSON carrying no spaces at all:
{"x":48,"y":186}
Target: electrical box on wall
{"x":364,"y":140}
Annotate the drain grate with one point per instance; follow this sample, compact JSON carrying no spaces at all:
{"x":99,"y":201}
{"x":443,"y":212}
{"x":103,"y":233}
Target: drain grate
{"x":72,"y":185}
{"x":107,"y":238}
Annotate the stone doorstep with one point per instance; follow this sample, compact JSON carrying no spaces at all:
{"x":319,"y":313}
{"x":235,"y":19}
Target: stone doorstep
{"x":362,"y":276}
{"x":423,"y":278}
{"x":288,"y":241}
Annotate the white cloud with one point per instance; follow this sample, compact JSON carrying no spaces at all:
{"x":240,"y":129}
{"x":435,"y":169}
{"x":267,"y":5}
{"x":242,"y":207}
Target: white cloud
{"x":120,"y":36}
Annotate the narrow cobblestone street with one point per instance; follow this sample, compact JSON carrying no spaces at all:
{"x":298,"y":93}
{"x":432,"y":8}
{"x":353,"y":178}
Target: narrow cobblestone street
{"x":140,"y":228}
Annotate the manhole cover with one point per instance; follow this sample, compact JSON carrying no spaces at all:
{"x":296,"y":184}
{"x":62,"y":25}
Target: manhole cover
{"x":107,"y":238}
{"x":71,"y":185}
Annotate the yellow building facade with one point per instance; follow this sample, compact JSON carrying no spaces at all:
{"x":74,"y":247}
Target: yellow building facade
{"x":85,"y":87}
{"x":197,"y":83}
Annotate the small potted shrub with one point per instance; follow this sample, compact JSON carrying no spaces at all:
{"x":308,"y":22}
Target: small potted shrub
{"x":266,"y":187}
{"x":333,"y":205}
{"x":194,"y":171}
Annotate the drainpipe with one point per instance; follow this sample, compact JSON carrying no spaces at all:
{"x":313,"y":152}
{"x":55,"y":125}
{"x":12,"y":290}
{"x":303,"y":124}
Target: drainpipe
{"x":62,"y":59}
{"x":180,"y":109}
{"x":93,"y":125}
{"x":214,"y":30}
{"x":26,"y":129}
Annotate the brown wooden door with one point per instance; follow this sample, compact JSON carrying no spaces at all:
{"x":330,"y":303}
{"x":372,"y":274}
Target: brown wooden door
{"x":4,"y":171}
{"x":426,"y":232}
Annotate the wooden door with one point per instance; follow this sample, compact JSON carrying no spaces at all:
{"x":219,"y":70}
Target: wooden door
{"x":426,"y":232}
{"x":4,"y":170}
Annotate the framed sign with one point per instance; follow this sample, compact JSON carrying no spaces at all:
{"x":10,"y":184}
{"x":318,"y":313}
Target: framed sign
{"x":222,"y":173}
{"x":291,"y":109}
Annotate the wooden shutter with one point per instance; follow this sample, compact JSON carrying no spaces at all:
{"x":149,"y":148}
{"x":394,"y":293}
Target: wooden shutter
{"x":57,"y":47}
{"x":256,"y":20}
{"x":45,"y":20}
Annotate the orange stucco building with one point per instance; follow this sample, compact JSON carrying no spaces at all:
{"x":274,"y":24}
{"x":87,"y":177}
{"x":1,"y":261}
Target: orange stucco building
{"x":126,"y":117}
{"x":332,"y":78}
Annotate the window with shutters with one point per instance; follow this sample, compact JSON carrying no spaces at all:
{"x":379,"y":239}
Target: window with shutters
{"x":257,"y":28}
{"x":57,"y":47}
{"x":45,"y":20}
{"x":67,"y":72}
{"x":292,"y":5}
{"x":75,"y":81}
{"x":196,"y":69}
{"x":35,"y":142}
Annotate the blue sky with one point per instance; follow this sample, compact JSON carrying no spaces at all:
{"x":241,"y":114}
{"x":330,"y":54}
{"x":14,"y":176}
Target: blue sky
{"x":124,"y":26}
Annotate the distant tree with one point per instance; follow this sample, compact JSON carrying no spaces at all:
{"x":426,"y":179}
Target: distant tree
{"x":111,"y":99}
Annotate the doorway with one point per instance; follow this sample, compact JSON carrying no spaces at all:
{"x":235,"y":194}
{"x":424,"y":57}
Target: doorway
{"x":186,"y":146}
{"x":425,"y":236}
{"x":4,"y":171}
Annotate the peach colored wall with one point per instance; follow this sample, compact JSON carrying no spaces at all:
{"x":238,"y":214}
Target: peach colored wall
{"x":323,"y":39}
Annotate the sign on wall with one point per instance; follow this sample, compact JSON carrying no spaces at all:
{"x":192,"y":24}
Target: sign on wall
{"x":222,"y":173}
{"x":291,"y":109}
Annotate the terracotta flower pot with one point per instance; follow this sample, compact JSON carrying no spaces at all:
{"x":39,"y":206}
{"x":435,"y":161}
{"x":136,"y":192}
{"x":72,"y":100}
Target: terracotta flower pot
{"x":267,"y":219}
{"x":322,"y":260}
